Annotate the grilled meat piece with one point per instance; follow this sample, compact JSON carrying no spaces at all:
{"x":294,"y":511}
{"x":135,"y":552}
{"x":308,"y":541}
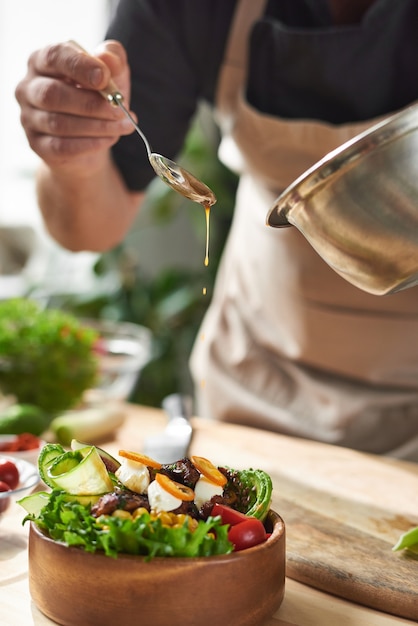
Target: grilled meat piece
{"x":187,"y":508}
{"x":182,"y":471}
{"x":119,"y":499}
{"x":232,"y":495}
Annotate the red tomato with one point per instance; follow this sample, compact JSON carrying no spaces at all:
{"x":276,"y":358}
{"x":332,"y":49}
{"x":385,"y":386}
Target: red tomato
{"x":9,"y":473}
{"x":228,"y":515}
{"x":21,"y":442}
{"x":4,"y":502}
{"x":247,"y":534}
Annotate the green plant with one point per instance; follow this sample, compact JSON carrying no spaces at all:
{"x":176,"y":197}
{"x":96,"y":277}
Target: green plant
{"x":46,"y":356}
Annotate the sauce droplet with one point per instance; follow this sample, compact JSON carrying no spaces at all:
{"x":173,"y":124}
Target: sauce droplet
{"x":207,"y":216}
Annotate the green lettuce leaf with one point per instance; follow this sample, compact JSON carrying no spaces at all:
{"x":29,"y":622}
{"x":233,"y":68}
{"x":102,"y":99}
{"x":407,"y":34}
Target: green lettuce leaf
{"x":408,"y":541}
{"x":72,"y":524}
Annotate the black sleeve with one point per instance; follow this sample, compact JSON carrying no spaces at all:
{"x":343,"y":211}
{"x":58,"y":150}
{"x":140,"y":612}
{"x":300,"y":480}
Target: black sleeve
{"x":174,"y":49}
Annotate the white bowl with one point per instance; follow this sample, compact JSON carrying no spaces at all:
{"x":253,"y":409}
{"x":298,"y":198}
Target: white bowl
{"x":28,"y":480}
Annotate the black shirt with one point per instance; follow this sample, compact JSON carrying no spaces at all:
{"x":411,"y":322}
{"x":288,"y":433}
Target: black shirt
{"x":300,"y":66}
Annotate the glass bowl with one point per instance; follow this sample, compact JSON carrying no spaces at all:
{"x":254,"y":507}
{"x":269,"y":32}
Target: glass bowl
{"x":123,"y":348}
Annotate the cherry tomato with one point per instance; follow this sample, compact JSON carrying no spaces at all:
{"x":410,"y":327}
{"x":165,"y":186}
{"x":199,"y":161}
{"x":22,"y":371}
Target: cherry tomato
{"x":247,"y":534}
{"x":9,"y":473}
{"x":20,"y":443}
{"x":227,"y":514}
{"x":4,"y":502}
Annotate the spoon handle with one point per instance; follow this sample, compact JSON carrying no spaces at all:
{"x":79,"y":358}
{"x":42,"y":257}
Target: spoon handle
{"x":112,"y":94}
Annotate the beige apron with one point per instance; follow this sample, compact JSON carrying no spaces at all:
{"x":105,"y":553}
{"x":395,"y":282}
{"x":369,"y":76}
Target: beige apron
{"x":287,"y":344}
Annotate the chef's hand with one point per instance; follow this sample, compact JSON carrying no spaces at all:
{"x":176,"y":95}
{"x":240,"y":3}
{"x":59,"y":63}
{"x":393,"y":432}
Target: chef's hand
{"x":66,"y":120}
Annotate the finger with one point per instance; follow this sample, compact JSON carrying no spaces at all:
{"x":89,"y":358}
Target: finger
{"x":114,"y":55}
{"x":51,"y":94}
{"x":67,"y":125}
{"x":58,"y":150}
{"x":64,"y":60}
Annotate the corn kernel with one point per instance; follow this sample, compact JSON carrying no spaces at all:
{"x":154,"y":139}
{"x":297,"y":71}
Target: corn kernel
{"x":139,"y":511}
{"x":165,"y":518}
{"x":122,"y":514}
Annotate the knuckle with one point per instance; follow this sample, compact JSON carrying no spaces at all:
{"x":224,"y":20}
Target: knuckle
{"x":47,"y":94}
{"x":24,"y":120}
{"x":116,"y":48}
{"x":59,"y":146}
{"x":19,"y":91}
{"x":52,"y":55}
{"x":55,"y":124}
{"x":63,"y":60}
{"x":76,"y":65}
{"x":91,"y":105}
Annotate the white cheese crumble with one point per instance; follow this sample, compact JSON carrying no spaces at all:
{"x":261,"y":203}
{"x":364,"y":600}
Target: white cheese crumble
{"x":204,"y":490}
{"x":160,"y":499}
{"x":135,"y":476}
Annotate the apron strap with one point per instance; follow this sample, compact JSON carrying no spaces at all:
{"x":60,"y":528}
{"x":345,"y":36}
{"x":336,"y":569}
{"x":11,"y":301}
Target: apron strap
{"x":247,"y":12}
{"x":235,"y":57}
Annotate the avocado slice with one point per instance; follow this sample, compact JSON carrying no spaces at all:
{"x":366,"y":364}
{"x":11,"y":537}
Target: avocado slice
{"x":251,"y":491}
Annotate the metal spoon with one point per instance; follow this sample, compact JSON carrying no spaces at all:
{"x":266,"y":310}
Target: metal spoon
{"x":170,"y":172}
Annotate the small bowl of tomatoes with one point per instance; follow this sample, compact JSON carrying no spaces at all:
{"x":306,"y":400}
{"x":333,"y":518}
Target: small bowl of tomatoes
{"x":17,"y":478}
{"x":23,"y":446}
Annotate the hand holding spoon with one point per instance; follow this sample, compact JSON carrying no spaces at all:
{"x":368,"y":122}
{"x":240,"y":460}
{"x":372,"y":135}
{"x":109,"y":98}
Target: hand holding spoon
{"x":170,"y":172}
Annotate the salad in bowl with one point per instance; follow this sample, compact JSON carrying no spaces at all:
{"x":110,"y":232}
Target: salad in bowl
{"x":136,"y":505}
{"x":137,"y":541}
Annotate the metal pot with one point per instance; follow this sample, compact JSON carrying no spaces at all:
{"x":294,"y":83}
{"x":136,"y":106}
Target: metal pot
{"x":358,"y":206}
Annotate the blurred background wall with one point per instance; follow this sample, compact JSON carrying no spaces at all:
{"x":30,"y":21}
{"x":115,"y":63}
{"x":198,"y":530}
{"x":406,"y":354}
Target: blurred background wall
{"x":24,"y":26}
{"x":156,"y":276}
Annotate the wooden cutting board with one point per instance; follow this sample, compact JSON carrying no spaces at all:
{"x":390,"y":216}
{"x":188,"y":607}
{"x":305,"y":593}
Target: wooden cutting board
{"x":343,"y":510}
{"x":351,"y":561}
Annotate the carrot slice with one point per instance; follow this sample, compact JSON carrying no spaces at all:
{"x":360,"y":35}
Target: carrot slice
{"x":140,"y":458}
{"x":175,"y":489}
{"x":207,"y":468}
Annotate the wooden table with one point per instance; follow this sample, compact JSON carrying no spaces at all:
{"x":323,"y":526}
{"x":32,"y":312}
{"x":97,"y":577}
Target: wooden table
{"x":324,"y":470}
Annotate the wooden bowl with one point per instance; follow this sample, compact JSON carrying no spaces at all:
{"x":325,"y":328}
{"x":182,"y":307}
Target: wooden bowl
{"x":74,"y":587}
